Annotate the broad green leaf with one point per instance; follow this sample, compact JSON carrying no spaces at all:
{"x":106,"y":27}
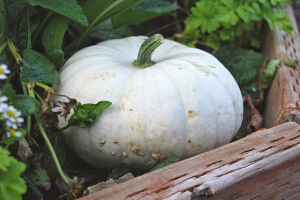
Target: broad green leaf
{"x":86,"y":114}
{"x":8,"y":91}
{"x":12,"y":186}
{"x":22,"y":35}
{"x":36,"y":67}
{"x":52,"y":39}
{"x":106,"y":31}
{"x":142,"y":12}
{"x":57,"y":56}
{"x":166,"y":162}
{"x":3,"y":22}
{"x":68,"y":8}
{"x":243,"y":65}
{"x":98,"y":13}
{"x":26,"y":104}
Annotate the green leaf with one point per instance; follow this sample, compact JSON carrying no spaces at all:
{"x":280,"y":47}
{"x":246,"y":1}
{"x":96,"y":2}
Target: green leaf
{"x":52,"y":39}
{"x":3,"y":22}
{"x":12,"y":186}
{"x":106,"y":31}
{"x":8,"y":91}
{"x":243,"y":65}
{"x":57,"y":56}
{"x":86,"y":114}
{"x":268,"y":73}
{"x":40,"y":177}
{"x":142,"y":12}
{"x":290,"y":62}
{"x":166,"y":162}
{"x":26,"y":104}
{"x":68,"y":8}
{"x":98,"y":11}
{"x":36,"y":67}
{"x":22,"y":35}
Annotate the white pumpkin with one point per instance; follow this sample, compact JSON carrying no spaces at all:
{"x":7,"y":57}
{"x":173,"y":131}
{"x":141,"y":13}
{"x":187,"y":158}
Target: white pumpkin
{"x":183,"y":103}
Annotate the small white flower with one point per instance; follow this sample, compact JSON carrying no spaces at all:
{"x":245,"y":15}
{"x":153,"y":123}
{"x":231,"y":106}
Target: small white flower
{"x":4,"y":71}
{"x":12,"y":125}
{"x":13,"y":115}
{"x":3,"y":104}
{"x":13,"y":133}
{"x":3,"y":99}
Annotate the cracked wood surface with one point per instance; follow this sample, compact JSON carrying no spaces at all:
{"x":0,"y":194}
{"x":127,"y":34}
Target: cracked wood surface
{"x":283,"y":100}
{"x":254,"y":158}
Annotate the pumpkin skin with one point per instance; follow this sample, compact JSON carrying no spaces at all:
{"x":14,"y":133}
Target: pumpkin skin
{"x":183,"y":105}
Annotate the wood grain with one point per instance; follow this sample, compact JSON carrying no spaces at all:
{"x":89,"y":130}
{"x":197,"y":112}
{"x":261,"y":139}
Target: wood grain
{"x":283,"y":100}
{"x":215,"y":171}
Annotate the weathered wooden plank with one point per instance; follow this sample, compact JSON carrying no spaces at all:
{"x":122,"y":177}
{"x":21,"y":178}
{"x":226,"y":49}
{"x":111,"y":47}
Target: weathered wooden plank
{"x":282,"y":182}
{"x":283,"y":100}
{"x":215,"y":171}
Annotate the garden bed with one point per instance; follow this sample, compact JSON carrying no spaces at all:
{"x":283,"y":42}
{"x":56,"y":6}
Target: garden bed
{"x":58,"y":141}
{"x":241,"y":169}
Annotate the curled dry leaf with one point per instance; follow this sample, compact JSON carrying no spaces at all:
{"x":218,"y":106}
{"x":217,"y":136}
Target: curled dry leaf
{"x":256,"y":118}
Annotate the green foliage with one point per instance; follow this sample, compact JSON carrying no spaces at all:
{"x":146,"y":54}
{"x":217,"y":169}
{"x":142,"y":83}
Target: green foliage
{"x":26,"y":104}
{"x":52,"y":39}
{"x":142,"y":12}
{"x":40,"y":177}
{"x":3,"y":22}
{"x":215,"y":22}
{"x":268,"y":73}
{"x":8,"y":91}
{"x":36,"y":67}
{"x":12,"y":186}
{"x":290,"y":62}
{"x":243,"y":65}
{"x":86,"y":114}
{"x":168,"y":161}
{"x":68,"y":8}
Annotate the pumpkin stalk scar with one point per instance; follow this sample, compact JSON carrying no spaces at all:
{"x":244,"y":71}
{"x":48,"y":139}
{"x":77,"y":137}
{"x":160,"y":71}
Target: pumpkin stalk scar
{"x":147,"y":48}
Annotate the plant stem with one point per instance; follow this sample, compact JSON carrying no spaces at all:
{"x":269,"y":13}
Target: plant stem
{"x":95,"y":21}
{"x":64,"y":177}
{"x":45,"y":87}
{"x":147,"y":48}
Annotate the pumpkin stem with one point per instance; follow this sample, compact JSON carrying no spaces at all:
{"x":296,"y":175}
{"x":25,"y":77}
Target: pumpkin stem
{"x":147,"y":48}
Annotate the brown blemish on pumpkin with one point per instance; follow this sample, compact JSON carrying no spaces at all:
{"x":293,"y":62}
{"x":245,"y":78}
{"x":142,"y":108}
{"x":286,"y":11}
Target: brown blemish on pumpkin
{"x":155,"y":154}
{"x":115,"y":142}
{"x":136,"y":149}
{"x":102,"y":76}
{"x":102,"y":142}
{"x":193,"y":145}
{"x":191,"y":114}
